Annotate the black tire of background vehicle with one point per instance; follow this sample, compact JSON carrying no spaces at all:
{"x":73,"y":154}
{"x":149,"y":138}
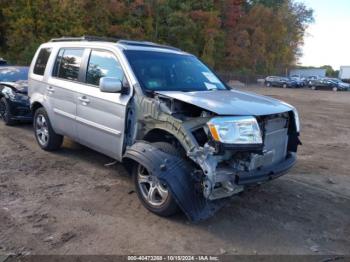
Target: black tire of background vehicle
{"x":7,"y":116}
{"x":169,"y":207}
{"x":55,"y":141}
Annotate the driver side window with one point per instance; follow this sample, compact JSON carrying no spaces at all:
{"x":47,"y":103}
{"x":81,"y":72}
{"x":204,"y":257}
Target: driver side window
{"x":103,"y":64}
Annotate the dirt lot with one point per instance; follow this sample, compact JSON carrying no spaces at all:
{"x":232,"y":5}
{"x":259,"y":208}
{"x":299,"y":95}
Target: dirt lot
{"x":69,"y":202}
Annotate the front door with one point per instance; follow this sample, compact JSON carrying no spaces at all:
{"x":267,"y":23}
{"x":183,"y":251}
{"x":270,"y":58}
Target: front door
{"x":101,"y":116}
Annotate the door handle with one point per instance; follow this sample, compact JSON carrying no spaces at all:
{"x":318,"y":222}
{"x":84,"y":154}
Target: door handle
{"x":84,"y":100}
{"x":50,"y":89}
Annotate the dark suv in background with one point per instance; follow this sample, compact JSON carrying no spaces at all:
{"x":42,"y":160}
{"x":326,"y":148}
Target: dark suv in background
{"x":280,"y":82}
{"x":329,"y":84}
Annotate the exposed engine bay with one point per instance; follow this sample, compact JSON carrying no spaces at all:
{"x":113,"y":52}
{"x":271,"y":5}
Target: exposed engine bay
{"x":217,"y":165}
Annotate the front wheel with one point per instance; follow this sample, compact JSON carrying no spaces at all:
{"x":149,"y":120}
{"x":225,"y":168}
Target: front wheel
{"x":5,"y":112}
{"x":153,"y":194}
{"x":44,"y":134}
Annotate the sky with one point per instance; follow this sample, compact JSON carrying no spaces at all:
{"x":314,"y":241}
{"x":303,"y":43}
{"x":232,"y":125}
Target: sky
{"x":327,"y":41}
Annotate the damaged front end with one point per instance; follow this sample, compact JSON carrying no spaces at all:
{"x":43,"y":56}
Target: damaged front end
{"x":214,"y":165}
{"x":234,"y":166}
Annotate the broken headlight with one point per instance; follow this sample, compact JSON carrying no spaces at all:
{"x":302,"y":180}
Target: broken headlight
{"x":9,"y":93}
{"x":235,"y":130}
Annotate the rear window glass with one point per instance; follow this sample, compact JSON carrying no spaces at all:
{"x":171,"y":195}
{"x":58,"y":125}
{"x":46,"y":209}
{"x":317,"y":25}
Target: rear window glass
{"x":67,"y":63}
{"x":40,"y":64}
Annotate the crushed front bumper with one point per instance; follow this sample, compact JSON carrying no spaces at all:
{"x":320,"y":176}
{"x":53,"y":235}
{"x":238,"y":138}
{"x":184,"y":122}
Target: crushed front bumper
{"x":266,"y":174}
{"x":20,"y":110}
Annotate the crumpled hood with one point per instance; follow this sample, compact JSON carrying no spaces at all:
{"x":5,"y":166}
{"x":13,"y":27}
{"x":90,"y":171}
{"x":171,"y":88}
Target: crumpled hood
{"x":231,"y":102}
{"x":19,"y":86}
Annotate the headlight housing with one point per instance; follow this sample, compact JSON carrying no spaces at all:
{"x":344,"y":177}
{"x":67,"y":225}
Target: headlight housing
{"x":8,"y":92}
{"x":235,"y":130}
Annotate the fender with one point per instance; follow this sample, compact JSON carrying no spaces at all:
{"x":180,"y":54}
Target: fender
{"x":174,"y":171}
{"x":36,"y":97}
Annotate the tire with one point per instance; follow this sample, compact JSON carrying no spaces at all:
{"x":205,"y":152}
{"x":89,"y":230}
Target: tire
{"x":5,"y":113}
{"x":46,"y":137}
{"x":162,"y":204}
{"x":167,"y":148}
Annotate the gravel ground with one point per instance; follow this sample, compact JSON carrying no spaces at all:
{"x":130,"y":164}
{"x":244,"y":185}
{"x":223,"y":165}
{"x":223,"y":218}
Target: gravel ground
{"x":69,"y":202}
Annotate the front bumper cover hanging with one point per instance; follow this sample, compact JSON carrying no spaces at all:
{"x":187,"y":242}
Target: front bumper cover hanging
{"x":176,"y":173}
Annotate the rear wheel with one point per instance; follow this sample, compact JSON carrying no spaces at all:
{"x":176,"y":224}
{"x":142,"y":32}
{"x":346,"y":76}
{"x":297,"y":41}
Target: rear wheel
{"x":154,"y":194}
{"x":5,"y":113}
{"x":44,"y":134}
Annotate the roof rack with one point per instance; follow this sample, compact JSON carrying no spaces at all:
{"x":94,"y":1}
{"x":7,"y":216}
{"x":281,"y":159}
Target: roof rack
{"x":113,"y":40}
{"x":146,"y":44}
{"x":84,"y":38}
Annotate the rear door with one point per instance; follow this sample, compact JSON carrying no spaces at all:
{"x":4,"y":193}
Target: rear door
{"x":101,"y":116}
{"x":62,"y":87}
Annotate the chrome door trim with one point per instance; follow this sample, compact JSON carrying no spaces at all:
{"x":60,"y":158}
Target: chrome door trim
{"x":87,"y":122}
{"x":98,"y":126}
{"x":62,"y":113}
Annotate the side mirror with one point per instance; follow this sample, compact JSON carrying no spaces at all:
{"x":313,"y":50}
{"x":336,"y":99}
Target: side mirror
{"x":110,"y":85}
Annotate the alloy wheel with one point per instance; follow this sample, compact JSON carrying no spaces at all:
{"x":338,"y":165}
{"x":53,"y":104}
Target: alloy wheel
{"x":42,"y":130}
{"x":153,"y":191}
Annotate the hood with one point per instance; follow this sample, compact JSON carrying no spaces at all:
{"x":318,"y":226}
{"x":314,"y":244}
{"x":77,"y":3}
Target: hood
{"x":231,"y":102}
{"x":19,"y":86}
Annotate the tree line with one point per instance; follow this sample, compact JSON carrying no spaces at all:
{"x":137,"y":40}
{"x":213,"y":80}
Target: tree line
{"x":248,"y":36}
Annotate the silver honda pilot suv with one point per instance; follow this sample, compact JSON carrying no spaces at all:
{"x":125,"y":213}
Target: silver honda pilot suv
{"x":189,"y":141}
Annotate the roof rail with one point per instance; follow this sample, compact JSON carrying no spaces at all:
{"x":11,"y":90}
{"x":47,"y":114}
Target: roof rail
{"x":146,"y":44}
{"x":114,"y":40}
{"x":84,"y":38}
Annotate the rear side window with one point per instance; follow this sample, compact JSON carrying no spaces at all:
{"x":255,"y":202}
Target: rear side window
{"x":67,"y":64}
{"x":41,"y":61}
{"x":103,"y":64}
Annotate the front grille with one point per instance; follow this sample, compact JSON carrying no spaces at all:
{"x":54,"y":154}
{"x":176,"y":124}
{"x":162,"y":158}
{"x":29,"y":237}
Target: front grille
{"x":276,"y":139}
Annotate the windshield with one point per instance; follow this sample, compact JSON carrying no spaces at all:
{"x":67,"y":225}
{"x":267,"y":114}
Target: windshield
{"x":158,"y":71}
{"x":13,"y":74}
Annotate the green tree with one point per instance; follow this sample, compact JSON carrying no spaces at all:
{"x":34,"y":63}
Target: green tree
{"x":258,"y":36}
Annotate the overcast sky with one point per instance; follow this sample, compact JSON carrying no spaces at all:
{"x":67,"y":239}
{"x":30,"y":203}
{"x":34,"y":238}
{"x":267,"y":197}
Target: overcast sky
{"x":328,"y":39}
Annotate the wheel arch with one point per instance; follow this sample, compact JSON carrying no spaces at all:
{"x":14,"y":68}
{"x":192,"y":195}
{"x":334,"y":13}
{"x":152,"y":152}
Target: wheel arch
{"x":163,"y":135}
{"x":35,"y":106}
